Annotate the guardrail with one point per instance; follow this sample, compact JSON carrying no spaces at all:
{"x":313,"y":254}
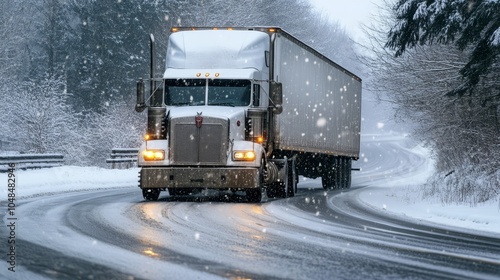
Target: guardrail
{"x":122,"y":158}
{"x":30,"y":161}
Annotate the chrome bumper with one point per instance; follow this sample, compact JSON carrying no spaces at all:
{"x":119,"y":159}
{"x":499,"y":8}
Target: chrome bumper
{"x":199,"y":177}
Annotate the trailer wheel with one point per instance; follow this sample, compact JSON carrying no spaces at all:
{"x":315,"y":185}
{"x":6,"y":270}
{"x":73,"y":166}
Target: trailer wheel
{"x":327,"y":182}
{"x":292,"y":179}
{"x":348,"y":166}
{"x":330,"y":177}
{"x":151,"y":194}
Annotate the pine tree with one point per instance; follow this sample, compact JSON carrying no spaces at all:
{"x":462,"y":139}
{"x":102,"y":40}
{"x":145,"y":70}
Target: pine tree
{"x":473,"y":25}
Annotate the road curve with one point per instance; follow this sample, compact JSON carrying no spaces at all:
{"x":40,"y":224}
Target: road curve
{"x":317,"y":234}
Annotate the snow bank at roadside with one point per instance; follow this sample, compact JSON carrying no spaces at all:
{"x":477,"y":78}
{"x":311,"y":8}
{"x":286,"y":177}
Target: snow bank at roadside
{"x":68,"y":178}
{"x":400,"y":196}
{"x":407,"y":201}
{"x":403,"y":195}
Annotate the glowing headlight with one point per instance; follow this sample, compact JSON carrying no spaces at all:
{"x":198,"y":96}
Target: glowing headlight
{"x":244,"y":155}
{"x":153,"y":155}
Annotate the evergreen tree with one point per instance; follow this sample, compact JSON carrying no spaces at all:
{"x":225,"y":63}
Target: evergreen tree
{"x":461,"y":132}
{"x":467,"y":24}
{"x":53,"y":41}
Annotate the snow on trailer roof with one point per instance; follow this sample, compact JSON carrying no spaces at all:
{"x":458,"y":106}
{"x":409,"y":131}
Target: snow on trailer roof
{"x":270,"y":30}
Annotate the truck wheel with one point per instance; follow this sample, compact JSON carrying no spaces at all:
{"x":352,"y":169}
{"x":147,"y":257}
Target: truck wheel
{"x":340,"y":173}
{"x":329,"y":178}
{"x":327,"y":182}
{"x":348,"y":166}
{"x":151,"y":194}
{"x":292,"y":183}
{"x":254,"y":195}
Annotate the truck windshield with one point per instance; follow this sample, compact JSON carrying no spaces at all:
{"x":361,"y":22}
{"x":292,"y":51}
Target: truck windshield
{"x":185,"y":92}
{"x":192,"y":92}
{"x":229,"y":92}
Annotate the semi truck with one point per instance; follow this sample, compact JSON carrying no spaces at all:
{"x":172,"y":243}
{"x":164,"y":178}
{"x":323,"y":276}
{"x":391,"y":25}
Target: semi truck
{"x":246,"y":109}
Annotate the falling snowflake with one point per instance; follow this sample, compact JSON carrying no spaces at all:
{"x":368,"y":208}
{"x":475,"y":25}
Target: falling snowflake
{"x":321,"y":122}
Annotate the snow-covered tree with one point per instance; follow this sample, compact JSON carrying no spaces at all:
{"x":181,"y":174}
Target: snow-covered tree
{"x":462,"y":132}
{"x":14,"y":64}
{"x":473,"y":25}
{"x":43,"y":120}
{"x":117,"y":126}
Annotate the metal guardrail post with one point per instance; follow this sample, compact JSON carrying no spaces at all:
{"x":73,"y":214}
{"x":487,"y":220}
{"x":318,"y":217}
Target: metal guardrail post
{"x":122,"y":156}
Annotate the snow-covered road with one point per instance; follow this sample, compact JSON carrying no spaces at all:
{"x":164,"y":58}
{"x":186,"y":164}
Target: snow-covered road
{"x":112,"y":233}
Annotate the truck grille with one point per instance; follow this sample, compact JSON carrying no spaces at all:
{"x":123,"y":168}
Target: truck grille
{"x":203,"y":145}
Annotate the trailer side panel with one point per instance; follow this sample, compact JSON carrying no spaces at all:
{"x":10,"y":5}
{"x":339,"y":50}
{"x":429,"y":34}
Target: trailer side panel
{"x":321,"y":101}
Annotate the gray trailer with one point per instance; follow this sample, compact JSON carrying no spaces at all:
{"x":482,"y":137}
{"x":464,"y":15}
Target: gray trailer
{"x":247,"y":109}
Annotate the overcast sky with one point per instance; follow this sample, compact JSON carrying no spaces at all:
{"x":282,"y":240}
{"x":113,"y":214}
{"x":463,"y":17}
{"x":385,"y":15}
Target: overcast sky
{"x":350,"y":13}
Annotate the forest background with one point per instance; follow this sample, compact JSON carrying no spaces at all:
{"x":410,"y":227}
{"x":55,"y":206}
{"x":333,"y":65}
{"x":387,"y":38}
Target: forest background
{"x":68,"y":72}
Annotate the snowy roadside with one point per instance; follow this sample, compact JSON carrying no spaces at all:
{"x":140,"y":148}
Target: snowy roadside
{"x":407,"y":201}
{"x":62,"y":179}
{"x":402,"y":195}
{"x":391,"y":195}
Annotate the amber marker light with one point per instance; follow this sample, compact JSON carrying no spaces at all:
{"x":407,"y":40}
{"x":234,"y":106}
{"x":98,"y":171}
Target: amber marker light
{"x":198,"y":74}
{"x":207,"y":75}
{"x":147,"y":137}
{"x":216,"y":75}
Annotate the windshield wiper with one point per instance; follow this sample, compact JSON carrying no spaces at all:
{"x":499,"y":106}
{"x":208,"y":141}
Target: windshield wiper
{"x":189,"y":103}
{"x":222,"y":104}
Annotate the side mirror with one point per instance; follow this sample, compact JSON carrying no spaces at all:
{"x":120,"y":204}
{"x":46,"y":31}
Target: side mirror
{"x":277,"y":96}
{"x":141,"y":104}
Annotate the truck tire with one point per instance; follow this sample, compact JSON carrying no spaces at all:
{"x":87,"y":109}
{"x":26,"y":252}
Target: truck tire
{"x":330,"y":177}
{"x":255,"y":195}
{"x":292,"y":186}
{"x":282,"y":189}
{"x":343,"y":173}
{"x":328,"y":182}
{"x":347,"y":172}
{"x":151,"y":194}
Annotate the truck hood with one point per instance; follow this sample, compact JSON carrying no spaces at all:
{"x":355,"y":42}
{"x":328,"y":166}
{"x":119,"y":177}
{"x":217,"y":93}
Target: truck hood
{"x":231,"y":113}
{"x":234,"y":115}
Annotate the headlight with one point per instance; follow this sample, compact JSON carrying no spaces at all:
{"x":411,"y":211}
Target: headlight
{"x":244,"y":155}
{"x":153,"y":155}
